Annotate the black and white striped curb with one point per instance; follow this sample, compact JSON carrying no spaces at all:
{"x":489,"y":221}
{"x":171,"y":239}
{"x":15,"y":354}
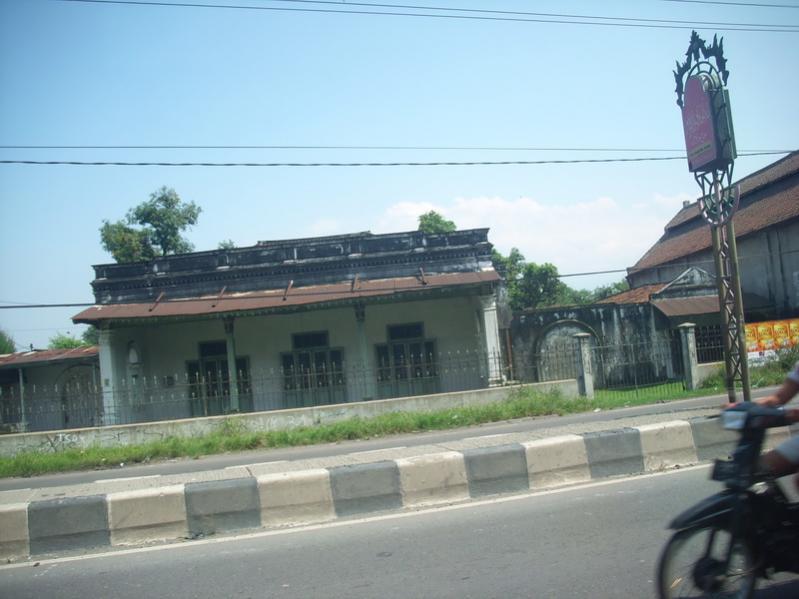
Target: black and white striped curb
{"x":274,"y":494}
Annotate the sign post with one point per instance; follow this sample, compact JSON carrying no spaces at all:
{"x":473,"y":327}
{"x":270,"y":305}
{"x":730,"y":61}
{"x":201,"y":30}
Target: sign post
{"x":710,"y":148}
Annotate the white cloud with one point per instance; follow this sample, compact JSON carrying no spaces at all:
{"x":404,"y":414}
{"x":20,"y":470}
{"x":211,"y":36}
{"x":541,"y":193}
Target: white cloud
{"x":600,"y":234}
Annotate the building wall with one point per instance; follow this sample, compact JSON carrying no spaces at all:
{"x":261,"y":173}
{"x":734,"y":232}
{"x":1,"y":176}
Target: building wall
{"x":628,"y":341}
{"x":769,"y":267}
{"x":55,"y":396}
{"x":165,"y":349}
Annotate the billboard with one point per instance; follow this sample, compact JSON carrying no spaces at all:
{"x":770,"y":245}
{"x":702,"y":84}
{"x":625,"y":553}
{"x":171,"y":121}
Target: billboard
{"x":764,"y":338}
{"x":707,"y":124}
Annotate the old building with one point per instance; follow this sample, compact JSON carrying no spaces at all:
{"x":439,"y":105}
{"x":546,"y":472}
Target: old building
{"x":49,"y":389}
{"x":296,"y":323}
{"x":634,"y":335}
{"x":767,"y":232}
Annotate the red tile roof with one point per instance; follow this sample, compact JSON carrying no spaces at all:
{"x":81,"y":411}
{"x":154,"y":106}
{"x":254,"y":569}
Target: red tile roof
{"x":639,"y":295}
{"x":277,"y":299}
{"x":40,"y":357}
{"x":752,"y":217}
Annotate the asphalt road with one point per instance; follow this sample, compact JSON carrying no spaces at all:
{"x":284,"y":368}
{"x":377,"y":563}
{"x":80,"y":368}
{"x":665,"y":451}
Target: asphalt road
{"x":599,"y":540}
{"x":294,"y":453}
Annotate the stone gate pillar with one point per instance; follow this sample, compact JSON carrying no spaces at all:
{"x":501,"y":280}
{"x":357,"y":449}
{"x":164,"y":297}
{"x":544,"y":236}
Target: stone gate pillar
{"x":689,"y":359}
{"x":585,"y":376}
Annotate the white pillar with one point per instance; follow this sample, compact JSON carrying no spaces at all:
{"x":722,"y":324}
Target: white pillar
{"x":585,"y":379}
{"x":232,"y":373}
{"x":23,"y":421}
{"x":493,"y":347}
{"x":108,"y":378}
{"x":364,"y":368}
{"x":689,"y":359}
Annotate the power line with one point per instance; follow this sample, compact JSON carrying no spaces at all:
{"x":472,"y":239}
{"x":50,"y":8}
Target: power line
{"x":756,"y":4}
{"x":525,"y":13}
{"x":358,"y":164}
{"x":365,"y":148}
{"x":469,"y":17}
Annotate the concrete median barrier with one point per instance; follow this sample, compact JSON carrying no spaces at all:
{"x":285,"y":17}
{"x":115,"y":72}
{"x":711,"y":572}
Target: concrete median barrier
{"x":147,"y":515}
{"x":666,"y":445}
{"x":222,"y":506}
{"x":14,"y":538}
{"x":493,"y":470}
{"x":434,"y":478}
{"x":270,"y":495}
{"x":68,"y":523}
{"x":366,"y":488}
{"x":303,"y":497}
{"x":557,"y":461}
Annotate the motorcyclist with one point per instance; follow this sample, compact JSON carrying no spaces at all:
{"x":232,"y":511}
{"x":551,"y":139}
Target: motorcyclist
{"x":784,"y":459}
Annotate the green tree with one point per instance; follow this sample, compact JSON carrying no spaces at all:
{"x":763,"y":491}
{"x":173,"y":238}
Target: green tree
{"x":604,"y":291}
{"x":227,"y":244}
{"x":7,"y":345}
{"x":64,"y":341}
{"x":91,"y":336}
{"x":538,"y":286}
{"x":432,"y":222}
{"x":161,"y":219}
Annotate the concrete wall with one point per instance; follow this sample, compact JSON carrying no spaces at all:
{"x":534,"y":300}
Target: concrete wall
{"x":623,"y":338}
{"x":111,"y":436}
{"x":164,"y":350}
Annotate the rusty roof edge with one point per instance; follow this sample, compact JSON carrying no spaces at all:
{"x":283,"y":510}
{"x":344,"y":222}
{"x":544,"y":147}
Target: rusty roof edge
{"x":436,"y":285}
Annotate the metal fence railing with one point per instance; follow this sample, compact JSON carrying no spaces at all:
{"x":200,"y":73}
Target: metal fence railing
{"x":209,"y":392}
{"x":654,"y":368}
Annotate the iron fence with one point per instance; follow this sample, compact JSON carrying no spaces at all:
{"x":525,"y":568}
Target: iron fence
{"x":653,"y":368}
{"x":210,"y":392}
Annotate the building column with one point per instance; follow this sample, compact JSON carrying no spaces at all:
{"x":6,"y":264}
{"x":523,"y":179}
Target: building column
{"x":585,"y":378}
{"x":689,"y":359}
{"x":23,"y":420}
{"x":493,"y":347}
{"x":232,"y":372}
{"x":108,"y":378}
{"x":368,"y":373}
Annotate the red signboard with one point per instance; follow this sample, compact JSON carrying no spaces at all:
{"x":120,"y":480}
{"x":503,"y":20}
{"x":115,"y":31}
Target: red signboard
{"x":699,"y":125}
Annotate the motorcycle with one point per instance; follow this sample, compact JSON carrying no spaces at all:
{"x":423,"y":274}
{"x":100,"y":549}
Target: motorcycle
{"x":750,"y":530}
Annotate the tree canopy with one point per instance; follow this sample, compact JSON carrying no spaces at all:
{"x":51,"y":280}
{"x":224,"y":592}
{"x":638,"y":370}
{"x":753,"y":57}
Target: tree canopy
{"x":432,"y":222}
{"x":7,"y":345}
{"x":64,"y":341}
{"x":532,"y":285}
{"x":160,"y":221}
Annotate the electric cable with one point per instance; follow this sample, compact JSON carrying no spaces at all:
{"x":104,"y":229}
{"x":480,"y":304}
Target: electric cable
{"x":360,"y":164}
{"x":467,"y":17}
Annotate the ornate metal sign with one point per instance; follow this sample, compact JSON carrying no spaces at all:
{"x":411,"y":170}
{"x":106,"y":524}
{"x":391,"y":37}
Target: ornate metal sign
{"x":707,"y":126}
{"x":710,"y":149}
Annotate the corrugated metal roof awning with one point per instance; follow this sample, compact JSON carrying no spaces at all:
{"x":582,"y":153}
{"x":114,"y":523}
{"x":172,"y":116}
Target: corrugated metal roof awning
{"x":275,"y":299}
{"x":688,"y":306}
{"x":48,"y":356}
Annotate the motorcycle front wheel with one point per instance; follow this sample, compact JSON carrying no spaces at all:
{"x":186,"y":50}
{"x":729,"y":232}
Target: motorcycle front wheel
{"x":692,"y":565}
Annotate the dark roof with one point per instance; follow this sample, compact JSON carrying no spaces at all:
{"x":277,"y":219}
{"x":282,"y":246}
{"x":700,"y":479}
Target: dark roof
{"x":41,"y":357}
{"x":639,"y":295}
{"x":271,"y":265}
{"x":755,"y":215}
{"x":687,"y":306}
{"x":275,"y":300}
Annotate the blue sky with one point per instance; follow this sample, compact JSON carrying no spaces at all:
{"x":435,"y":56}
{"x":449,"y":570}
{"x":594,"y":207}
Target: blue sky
{"x":110,"y":74}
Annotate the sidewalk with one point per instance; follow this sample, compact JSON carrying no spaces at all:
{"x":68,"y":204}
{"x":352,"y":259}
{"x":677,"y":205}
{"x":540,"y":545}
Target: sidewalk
{"x":135,"y":511}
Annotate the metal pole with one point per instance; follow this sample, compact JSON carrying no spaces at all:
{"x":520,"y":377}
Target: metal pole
{"x":740,"y":332}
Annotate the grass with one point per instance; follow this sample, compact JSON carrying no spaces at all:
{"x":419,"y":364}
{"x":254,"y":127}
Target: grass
{"x":770,"y":373}
{"x":233,"y":435}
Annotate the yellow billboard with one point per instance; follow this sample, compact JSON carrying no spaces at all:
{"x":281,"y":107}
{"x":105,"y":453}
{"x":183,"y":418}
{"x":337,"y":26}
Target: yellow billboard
{"x":772,"y":334}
